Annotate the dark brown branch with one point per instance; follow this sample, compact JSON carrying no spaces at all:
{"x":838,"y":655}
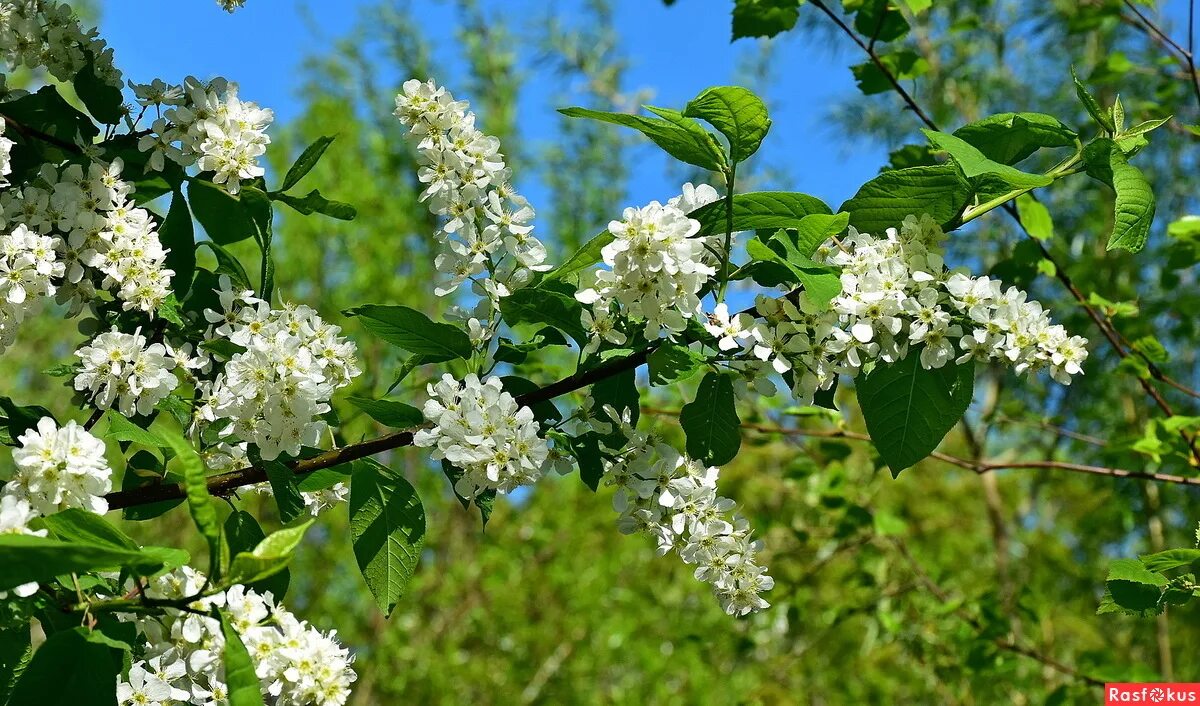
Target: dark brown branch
{"x":226,"y":483}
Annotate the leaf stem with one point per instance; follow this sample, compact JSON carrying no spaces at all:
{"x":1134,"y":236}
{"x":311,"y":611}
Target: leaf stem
{"x":730,"y":178}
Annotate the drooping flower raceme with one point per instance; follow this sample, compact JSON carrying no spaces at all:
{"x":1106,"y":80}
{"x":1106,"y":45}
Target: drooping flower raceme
{"x":43,"y":34}
{"x":275,"y":391}
{"x":656,"y":266}
{"x":102,"y":239}
{"x":898,"y":296}
{"x":15,"y":514}
{"x":487,"y":234}
{"x":28,"y":266}
{"x":59,"y":468}
{"x":208,"y":125}
{"x":482,"y":430}
{"x":181,"y":660}
{"x":120,"y":370}
{"x":674,"y":499}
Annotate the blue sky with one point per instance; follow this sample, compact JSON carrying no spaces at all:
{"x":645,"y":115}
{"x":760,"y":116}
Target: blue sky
{"x":676,"y":51}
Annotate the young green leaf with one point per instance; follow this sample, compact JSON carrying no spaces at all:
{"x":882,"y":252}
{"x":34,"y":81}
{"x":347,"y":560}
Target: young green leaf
{"x":306,"y":161}
{"x":1135,"y":205}
{"x":764,"y":18}
{"x":200,"y":504}
{"x":414,"y":332}
{"x":587,"y":255}
{"x":121,"y":429}
{"x":26,"y":558}
{"x":387,"y":527}
{"x":1009,"y":138}
{"x":1089,"y":102}
{"x":242,"y":533}
{"x":758,"y":210}
{"x":223,"y":217}
{"x":908,"y":409}
{"x":737,"y":114}
{"x":710,"y":421}
{"x":269,"y":557}
{"x":882,"y":203}
{"x":975,"y":164}
{"x":81,"y":526}
{"x":314,"y":202}
{"x":240,"y":678}
{"x":683,"y":139}
{"x":1035,"y":217}
{"x":673,"y":362}
{"x":878,"y":21}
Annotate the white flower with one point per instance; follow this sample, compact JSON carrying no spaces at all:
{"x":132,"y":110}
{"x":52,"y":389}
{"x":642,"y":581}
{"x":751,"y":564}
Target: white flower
{"x":729,"y":330}
{"x":58,"y":468}
{"x":480,"y":429}
{"x":120,"y":370}
{"x":693,"y":197}
{"x":142,"y":688}
{"x":5,"y":150}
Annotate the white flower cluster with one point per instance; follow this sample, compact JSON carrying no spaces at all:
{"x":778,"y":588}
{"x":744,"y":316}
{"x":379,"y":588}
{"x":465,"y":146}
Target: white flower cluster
{"x":206,"y":125}
{"x":120,"y":369}
{"x":28,"y":264}
{"x":99,"y":235}
{"x":674,"y":499}
{"x":488,"y":225}
{"x":6,"y":146}
{"x":656,"y":268}
{"x":480,"y":429}
{"x":296,"y":664}
{"x":897,"y":294}
{"x":15,"y":514}
{"x":59,"y":468}
{"x":275,"y":391}
{"x":36,"y":34}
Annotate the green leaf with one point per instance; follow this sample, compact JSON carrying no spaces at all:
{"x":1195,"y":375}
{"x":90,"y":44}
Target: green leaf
{"x":814,"y":230}
{"x":975,"y":164}
{"x":18,"y":420}
{"x":737,"y":114}
{"x":200,"y":504}
{"x":673,"y":362}
{"x":324,"y":478}
{"x":143,"y":469}
{"x":16,"y":650}
{"x":1009,"y":138}
{"x":284,"y":488}
{"x":414,"y":332}
{"x":882,"y":203}
{"x":681,"y":138}
{"x":544,"y":412}
{"x":70,"y":669}
{"x":26,"y":558}
{"x":536,"y":305}
{"x":306,"y":161}
{"x":224,"y":217}
{"x":243,"y":534}
{"x":389,"y":412}
{"x":758,"y":210}
{"x":908,"y":409}
{"x":387,"y":527}
{"x":710,"y":421}
{"x":81,"y":526}
{"x":269,"y":557}
{"x":1170,"y":559}
{"x":821,"y":282}
{"x":1135,"y":588}
{"x":903,"y":65}
{"x":46,"y":112}
{"x":121,"y":429}
{"x":586,"y":450}
{"x":240,"y":678}
{"x":764,"y":18}
{"x":1035,"y":217}
{"x":877,"y":20}
{"x":621,"y":392}
{"x":1089,"y":102}
{"x":1135,"y":205}
{"x":101,"y":99}
{"x":227,"y":264}
{"x":587,"y":255}
{"x":314,"y":202}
